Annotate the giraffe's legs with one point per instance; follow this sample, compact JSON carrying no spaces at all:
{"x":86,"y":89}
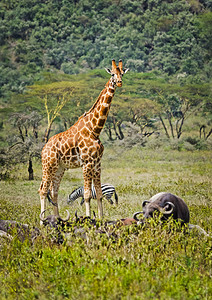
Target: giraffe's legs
{"x":97,"y":185}
{"x":54,"y":188}
{"x":43,"y":202}
{"x":87,"y":190}
{"x":50,"y":181}
{"x":44,"y":187}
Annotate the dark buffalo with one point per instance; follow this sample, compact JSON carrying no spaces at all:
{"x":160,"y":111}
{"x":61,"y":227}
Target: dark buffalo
{"x":168,"y":205}
{"x":53,"y":221}
{"x":22,"y":231}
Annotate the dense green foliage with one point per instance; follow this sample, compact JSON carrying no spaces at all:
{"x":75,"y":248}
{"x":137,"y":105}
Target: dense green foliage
{"x":151,"y":263}
{"x":75,"y":36}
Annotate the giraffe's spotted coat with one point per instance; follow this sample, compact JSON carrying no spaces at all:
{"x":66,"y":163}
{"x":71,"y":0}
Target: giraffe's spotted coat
{"x":80,"y":146}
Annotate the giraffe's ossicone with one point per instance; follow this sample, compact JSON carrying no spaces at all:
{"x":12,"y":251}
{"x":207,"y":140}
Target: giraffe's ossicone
{"x":80,"y":146}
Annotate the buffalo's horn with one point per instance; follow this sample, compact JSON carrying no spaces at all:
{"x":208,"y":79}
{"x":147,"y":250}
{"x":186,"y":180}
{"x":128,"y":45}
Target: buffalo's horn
{"x":144,"y":203}
{"x":167,"y":212}
{"x":135,"y":215}
{"x":67,"y":218}
{"x":41,"y":216}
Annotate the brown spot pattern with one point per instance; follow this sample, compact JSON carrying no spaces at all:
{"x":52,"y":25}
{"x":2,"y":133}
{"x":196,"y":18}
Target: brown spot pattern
{"x":79,"y":146}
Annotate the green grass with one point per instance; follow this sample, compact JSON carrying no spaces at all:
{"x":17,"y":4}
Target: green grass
{"x":150,"y":263}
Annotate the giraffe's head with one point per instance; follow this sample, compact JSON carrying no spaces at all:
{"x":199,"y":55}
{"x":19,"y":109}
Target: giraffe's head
{"x":117,"y":72}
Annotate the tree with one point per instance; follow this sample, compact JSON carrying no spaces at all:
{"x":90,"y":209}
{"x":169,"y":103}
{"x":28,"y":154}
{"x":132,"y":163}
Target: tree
{"x":177,"y":103}
{"x":142,"y":113}
{"x":22,"y":152}
{"x":175,"y":110}
{"x":24,"y":145}
{"x":23,"y":121}
{"x":136,"y":110}
{"x":54,"y":96}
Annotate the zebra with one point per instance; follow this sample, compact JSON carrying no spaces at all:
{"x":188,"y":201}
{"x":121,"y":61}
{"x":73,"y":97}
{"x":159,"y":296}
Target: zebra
{"x":107,"y":190}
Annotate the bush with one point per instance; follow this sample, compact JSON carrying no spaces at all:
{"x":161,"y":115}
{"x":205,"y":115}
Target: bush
{"x":199,"y":144}
{"x":156,"y":142}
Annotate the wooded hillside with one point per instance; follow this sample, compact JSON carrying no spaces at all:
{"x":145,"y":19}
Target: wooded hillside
{"x":173,"y":37}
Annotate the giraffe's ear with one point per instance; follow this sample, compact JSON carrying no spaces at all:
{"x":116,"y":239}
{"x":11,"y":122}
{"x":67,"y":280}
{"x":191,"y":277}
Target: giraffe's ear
{"x":126,"y":70}
{"x":109,"y":71}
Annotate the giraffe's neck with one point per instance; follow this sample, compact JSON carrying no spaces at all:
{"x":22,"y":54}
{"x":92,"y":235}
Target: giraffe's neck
{"x":99,"y":112}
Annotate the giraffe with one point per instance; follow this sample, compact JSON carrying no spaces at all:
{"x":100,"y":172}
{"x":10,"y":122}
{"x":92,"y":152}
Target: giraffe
{"x":80,"y":146}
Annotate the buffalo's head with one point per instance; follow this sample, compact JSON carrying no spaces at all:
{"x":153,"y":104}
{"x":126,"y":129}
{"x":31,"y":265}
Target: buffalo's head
{"x":166,"y":205}
{"x":53,"y":221}
{"x":152,"y":209}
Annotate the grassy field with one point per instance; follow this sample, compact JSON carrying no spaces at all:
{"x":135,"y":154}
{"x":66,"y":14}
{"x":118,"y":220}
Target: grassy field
{"x":155,"y":263}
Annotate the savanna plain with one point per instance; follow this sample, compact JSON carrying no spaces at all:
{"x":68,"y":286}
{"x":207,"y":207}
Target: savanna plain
{"x":155,"y":262}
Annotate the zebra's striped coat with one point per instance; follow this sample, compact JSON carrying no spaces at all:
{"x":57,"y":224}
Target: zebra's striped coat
{"x":107,"y":190}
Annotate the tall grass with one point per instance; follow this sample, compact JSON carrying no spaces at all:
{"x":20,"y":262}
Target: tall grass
{"x":143,"y":263}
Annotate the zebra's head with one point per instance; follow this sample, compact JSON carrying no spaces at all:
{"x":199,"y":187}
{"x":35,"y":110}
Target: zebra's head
{"x":75,"y":194}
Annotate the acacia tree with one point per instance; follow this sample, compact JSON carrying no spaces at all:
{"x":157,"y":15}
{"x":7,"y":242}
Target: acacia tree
{"x":175,"y":109}
{"x":142,"y":113}
{"x":52,"y":114}
{"x":136,"y":111}
{"x":24,"y":145}
{"x":177,"y":103}
{"x":118,"y":114}
{"x":23,"y":121}
{"x":22,"y":152}
{"x":114,"y":124}
{"x":54,"y":96}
